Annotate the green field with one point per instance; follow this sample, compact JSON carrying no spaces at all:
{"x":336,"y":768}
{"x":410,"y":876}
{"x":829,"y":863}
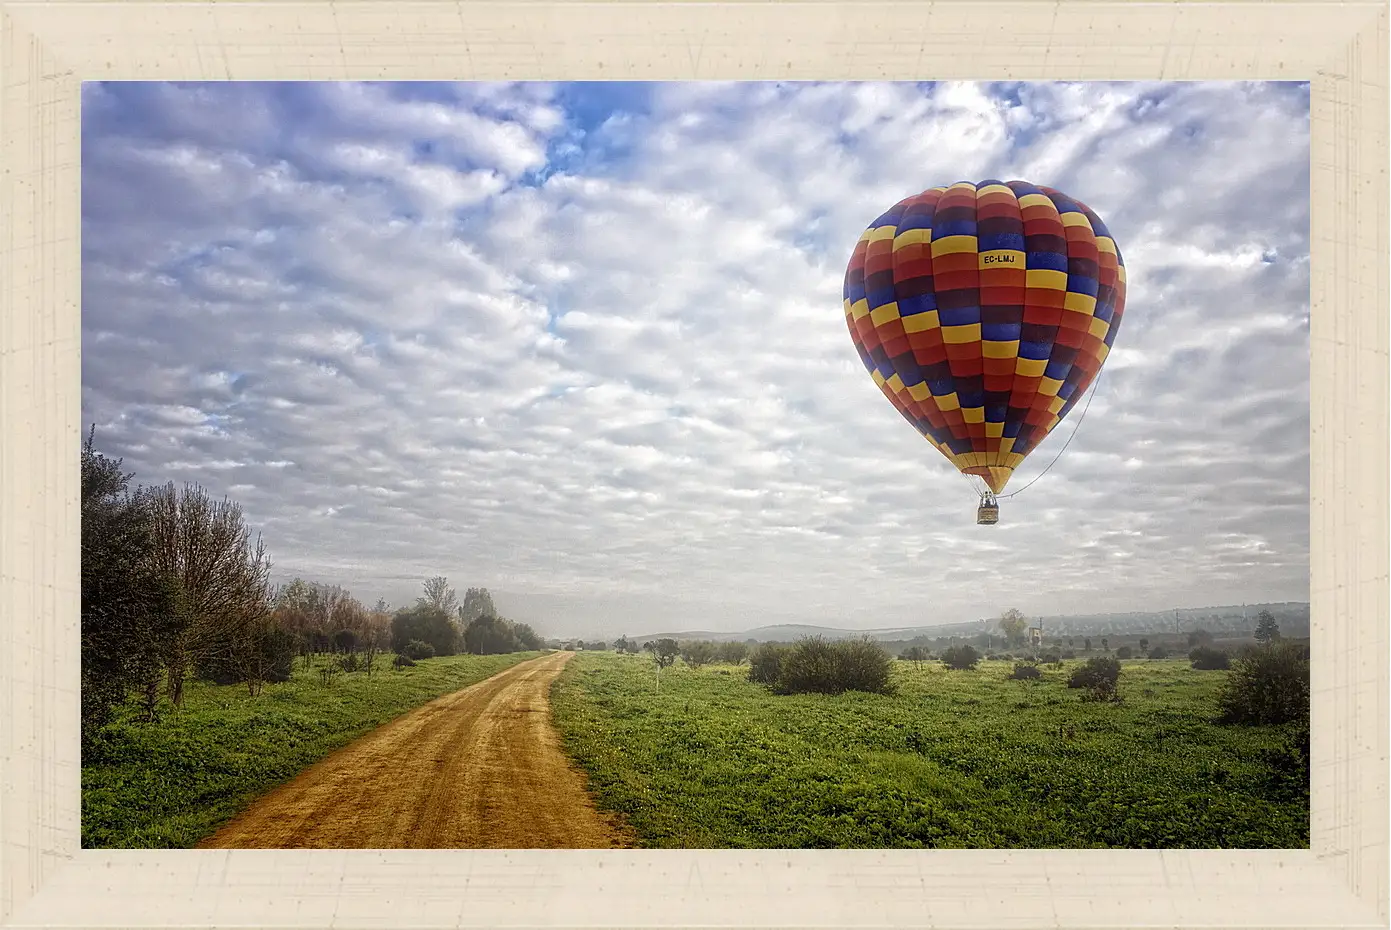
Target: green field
{"x":170,"y":783}
{"x":954,"y":759}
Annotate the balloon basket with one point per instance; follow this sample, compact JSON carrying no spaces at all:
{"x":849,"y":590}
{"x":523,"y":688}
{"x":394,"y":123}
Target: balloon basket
{"x":988,"y":513}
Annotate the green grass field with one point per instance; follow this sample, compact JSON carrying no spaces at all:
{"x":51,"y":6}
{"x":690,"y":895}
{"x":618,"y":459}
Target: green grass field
{"x":954,"y":759}
{"x":170,"y":783}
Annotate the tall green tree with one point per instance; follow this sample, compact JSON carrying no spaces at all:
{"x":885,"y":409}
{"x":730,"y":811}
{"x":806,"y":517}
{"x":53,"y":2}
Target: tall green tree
{"x":130,"y":616}
{"x":1267,"y":630}
{"x":477,"y":603}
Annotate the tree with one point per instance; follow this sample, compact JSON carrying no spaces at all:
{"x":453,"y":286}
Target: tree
{"x":439,"y":595}
{"x":1099,"y":677}
{"x":205,"y":550}
{"x":1087,"y":644}
{"x":698,"y":653}
{"x":733,"y":652}
{"x":664,"y":652}
{"x":1144,"y":644}
{"x":477,"y":603}
{"x":765,"y":663}
{"x":1014,"y":623}
{"x":527,"y":638}
{"x":130,"y":617}
{"x":426,"y":624}
{"x":1199,"y":638}
{"x":490,"y":635}
{"x":623,"y":644}
{"x":1105,"y":644}
{"x":1267,"y":630}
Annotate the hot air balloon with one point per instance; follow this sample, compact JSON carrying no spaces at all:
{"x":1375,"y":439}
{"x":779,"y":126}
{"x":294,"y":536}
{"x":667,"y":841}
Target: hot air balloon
{"x":983,"y":312}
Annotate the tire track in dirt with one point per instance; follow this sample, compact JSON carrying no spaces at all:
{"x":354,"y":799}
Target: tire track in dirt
{"x":479,"y":768}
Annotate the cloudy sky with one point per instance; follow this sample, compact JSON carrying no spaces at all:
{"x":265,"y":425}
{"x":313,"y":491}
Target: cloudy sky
{"x":584,"y":344}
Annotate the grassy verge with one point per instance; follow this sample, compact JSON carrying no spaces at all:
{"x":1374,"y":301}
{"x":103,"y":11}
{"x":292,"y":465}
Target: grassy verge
{"x":173,"y":782}
{"x":954,"y":759}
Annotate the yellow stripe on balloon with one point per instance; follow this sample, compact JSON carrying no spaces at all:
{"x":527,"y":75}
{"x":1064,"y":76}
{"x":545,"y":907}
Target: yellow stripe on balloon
{"x":920,"y":322}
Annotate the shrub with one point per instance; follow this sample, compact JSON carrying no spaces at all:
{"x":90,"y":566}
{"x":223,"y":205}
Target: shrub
{"x":1269,"y":684}
{"x":1159,"y":652}
{"x":418,"y":650}
{"x":699,"y":652}
{"x":1125,"y":652}
{"x":862,"y":665}
{"x":765,"y":663}
{"x":402,"y":661}
{"x":1024,"y":672}
{"x":1206,"y":658}
{"x":1099,"y":677}
{"x":1069,"y":654}
{"x":1051,"y":658}
{"x":349,"y":662}
{"x":963,"y":657}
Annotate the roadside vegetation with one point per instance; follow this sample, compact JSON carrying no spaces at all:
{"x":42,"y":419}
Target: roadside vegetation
{"x":204,"y":684}
{"x":960,"y":751}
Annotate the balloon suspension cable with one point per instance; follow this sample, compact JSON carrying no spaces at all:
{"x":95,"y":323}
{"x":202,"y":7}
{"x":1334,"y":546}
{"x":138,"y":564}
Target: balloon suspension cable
{"x":1082,"y":416}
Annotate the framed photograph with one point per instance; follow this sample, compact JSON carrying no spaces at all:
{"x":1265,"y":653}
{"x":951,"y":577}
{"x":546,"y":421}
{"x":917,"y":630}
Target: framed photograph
{"x":721,"y":464}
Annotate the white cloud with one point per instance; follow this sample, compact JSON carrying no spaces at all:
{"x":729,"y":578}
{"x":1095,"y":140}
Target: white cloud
{"x":616,"y":387}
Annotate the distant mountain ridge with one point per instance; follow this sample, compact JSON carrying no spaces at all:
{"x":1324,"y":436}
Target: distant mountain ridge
{"x":1293,"y":617}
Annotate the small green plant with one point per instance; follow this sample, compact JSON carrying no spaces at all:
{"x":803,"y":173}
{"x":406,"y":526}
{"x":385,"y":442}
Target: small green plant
{"x":402,"y":661}
{"x":328,"y":674}
{"x":416,"y":649}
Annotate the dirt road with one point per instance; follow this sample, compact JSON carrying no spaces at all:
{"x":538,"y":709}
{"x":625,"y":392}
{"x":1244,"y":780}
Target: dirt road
{"x":479,"y":768}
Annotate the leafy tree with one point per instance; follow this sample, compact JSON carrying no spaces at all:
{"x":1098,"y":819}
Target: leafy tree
{"x":130,"y":615}
{"x":1267,"y":630}
{"x":489,"y":635}
{"x":698,"y":653}
{"x":915,"y":654}
{"x":345,"y":641}
{"x":1199,"y":638}
{"x":1087,"y":644}
{"x":664,"y":652}
{"x":1014,"y":623}
{"x":1025,"y":672}
{"x":417,"y":650}
{"x":1144,"y":644}
{"x":623,"y":644}
{"x":477,"y":603}
{"x":1159,"y":652}
{"x":1124,"y":652}
{"x":439,"y":596}
{"x":733,"y":652}
{"x":426,"y":624}
{"x":1105,"y":644}
{"x":527,"y":638}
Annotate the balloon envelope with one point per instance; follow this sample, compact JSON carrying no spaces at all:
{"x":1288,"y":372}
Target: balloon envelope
{"x":983,"y":312}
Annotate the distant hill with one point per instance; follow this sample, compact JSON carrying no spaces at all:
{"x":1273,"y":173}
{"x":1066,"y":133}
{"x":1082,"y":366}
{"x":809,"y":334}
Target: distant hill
{"x":1293,"y":618}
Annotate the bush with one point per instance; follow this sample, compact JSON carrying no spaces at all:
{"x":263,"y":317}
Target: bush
{"x":1069,"y":654}
{"x":403,"y":661}
{"x":415,"y":649}
{"x":963,"y":657}
{"x":1269,"y":684}
{"x":1159,"y":652}
{"x":1099,"y":677}
{"x":862,"y":665}
{"x":1051,"y":658}
{"x":1208,"y":659}
{"x":1024,"y":672}
{"x":1125,"y":652}
{"x":344,"y":641}
{"x":765,"y":663}
{"x":349,"y":662}
{"x":699,"y":652}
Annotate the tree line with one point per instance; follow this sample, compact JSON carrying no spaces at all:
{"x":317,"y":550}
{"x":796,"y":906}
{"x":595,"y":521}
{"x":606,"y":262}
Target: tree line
{"x":176,"y":587}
